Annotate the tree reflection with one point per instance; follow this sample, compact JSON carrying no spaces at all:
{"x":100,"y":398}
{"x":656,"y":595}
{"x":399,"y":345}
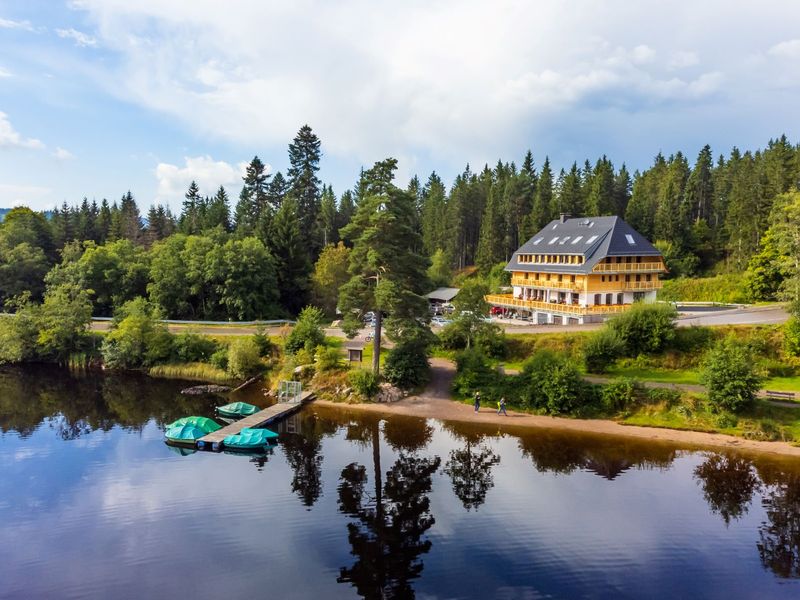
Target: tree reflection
{"x":470,"y":467}
{"x":779,"y":543}
{"x":728,"y":483}
{"x":386,"y":533}
{"x":302,"y":450}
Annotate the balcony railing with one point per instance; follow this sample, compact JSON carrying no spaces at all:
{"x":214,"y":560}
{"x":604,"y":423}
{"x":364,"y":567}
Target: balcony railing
{"x":647,"y":267}
{"x":544,"y":283}
{"x":571,"y":309}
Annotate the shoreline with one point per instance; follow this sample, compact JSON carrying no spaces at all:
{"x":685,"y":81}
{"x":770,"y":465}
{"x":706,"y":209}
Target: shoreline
{"x":450,"y":410}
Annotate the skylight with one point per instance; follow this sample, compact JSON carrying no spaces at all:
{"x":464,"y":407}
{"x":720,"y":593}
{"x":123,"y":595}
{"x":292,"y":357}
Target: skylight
{"x":577,"y":239}
{"x":537,"y":241}
{"x":564,"y":240}
{"x":556,"y":225}
{"x":553,"y":241}
{"x":591,"y":239}
{"x":630,"y":239}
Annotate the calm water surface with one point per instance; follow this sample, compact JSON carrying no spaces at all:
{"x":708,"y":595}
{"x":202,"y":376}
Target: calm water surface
{"x":94,"y":505}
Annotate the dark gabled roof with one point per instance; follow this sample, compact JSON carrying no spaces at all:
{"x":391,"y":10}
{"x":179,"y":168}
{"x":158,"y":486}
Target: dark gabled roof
{"x":594,"y":238}
{"x":443,"y":294}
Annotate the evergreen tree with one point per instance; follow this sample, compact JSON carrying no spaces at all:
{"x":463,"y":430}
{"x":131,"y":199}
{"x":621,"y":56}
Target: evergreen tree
{"x":570,"y":194}
{"x":277,"y":190}
{"x":130,"y":222}
{"x":190,"y":219}
{"x":103,"y":221}
{"x":347,"y":209}
{"x":492,"y":241}
{"x":218,"y":213}
{"x":543,"y":203}
{"x":433,"y":219}
{"x":622,"y":191}
{"x":304,"y":155}
{"x":601,"y":199}
{"x":289,"y":249}
{"x":253,"y":206}
{"x":328,"y":225}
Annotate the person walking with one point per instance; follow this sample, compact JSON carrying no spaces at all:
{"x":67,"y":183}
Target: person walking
{"x":477,"y":401}
{"x":501,"y":406}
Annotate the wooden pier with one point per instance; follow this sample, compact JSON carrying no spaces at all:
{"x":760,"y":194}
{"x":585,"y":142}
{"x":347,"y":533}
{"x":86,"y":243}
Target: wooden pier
{"x":213,"y":441}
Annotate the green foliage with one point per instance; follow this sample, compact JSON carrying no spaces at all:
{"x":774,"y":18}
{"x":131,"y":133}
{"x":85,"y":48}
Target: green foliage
{"x":620,"y":394}
{"x":18,"y":335}
{"x":440,"y":273}
{"x":467,"y":332}
{"x":330,"y":273}
{"x":407,"y":365}
{"x":192,"y":347}
{"x":265,"y":346}
{"x":137,"y":338}
{"x":602,"y":349}
{"x":63,"y":321}
{"x":220,"y":358}
{"x":307,"y":331}
{"x":645,"y":328}
{"x":473,"y":372}
{"x":498,"y":277}
{"x":729,"y":288}
{"x":554,"y":384}
{"x":327,"y":358}
{"x":730,"y":375}
{"x":364,"y":382}
{"x":791,"y":336}
{"x":244,"y":359}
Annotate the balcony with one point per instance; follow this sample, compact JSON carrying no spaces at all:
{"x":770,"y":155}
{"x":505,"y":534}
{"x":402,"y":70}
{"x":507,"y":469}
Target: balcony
{"x":624,"y":286}
{"x":645,"y":267}
{"x":554,"y":307}
{"x":544,"y":283}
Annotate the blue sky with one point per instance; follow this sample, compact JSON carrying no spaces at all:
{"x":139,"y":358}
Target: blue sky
{"x":101,"y":96}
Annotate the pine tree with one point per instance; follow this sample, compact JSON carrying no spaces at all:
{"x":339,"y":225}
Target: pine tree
{"x":277,"y":190}
{"x":492,"y":240}
{"x":130,"y":221}
{"x":700,"y":188}
{"x":289,"y":248}
{"x":601,"y":195}
{"x":190,"y":219}
{"x":103,"y":222}
{"x":433,"y":219}
{"x":253,"y":208}
{"x":328,"y":217}
{"x":218,"y":213}
{"x":543,"y":203}
{"x":622,"y":191}
{"x":347,"y":209}
{"x":570,"y":195}
{"x":304,"y":186}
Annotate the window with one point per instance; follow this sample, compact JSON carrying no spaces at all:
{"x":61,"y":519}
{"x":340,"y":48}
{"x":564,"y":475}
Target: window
{"x":553,"y":241}
{"x":591,"y":239}
{"x":537,"y":241}
{"x":630,"y":239}
{"x":564,"y":240}
{"x":577,"y":239}
{"x":556,"y":225}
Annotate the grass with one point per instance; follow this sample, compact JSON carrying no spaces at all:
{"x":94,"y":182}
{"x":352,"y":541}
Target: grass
{"x":687,"y":377}
{"x":192,"y":372}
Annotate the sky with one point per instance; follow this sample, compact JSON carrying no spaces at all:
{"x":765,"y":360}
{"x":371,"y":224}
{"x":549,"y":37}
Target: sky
{"x":101,"y":96}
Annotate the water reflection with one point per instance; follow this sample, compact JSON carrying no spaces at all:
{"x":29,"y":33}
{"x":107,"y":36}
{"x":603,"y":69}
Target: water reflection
{"x":301,"y":442}
{"x":728,"y":483}
{"x":779,"y":534}
{"x":470,"y":467}
{"x":388,"y":521}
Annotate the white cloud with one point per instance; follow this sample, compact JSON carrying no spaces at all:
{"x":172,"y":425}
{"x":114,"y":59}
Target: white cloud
{"x":787,"y":49}
{"x":5,"y":72}
{"x":81,"y":39}
{"x":643,"y":54}
{"x":62,"y":154}
{"x":682,"y":60}
{"x":16,"y":195}
{"x":10,"y":138}
{"x":9,"y":24}
{"x":174,"y":180}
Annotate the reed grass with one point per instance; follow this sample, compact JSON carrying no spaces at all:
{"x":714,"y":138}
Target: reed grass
{"x":192,"y":372}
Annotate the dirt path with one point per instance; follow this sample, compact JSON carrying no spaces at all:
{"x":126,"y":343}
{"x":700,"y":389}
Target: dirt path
{"x":435,"y":403}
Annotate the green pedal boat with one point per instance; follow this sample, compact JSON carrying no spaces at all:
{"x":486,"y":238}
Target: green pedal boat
{"x":203,"y":423}
{"x":236,"y":410}
{"x":184,"y":434}
{"x":250,"y":439}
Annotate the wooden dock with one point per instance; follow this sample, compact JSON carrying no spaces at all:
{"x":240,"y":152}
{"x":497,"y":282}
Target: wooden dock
{"x":213,"y":441}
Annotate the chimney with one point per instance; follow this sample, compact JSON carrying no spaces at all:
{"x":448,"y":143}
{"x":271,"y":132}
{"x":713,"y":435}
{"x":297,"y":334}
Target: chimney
{"x":564,"y":217}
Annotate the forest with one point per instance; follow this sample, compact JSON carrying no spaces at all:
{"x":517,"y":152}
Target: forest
{"x":286,"y":241}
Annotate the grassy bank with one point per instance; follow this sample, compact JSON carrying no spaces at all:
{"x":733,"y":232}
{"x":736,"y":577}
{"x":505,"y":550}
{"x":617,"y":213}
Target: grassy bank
{"x":729,"y":289}
{"x":196,"y":371}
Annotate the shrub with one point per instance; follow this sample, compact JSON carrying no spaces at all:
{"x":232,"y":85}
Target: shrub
{"x":17,"y":338}
{"x":220,"y":358}
{"x":620,"y":394}
{"x":137,"y":338}
{"x":473,"y":372}
{"x":488,"y":337}
{"x":662,"y":395}
{"x":327,"y":359}
{"x":307,"y":332}
{"x":491,"y":340}
{"x":554,"y":383}
{"x":191,"y":347}
{"x":407,"y":365}
{"x":453,"y":336}
{"x":730,"y":375}
{"x":263,"y":342}
{"x":243,"y":358}
{"x":601,"y":350}
{"x":645,"y":328}
{"x":791,"y":337}
{"x":364,"y":382}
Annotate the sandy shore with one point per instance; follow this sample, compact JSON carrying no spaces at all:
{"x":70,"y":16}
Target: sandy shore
{"x":435,"y":403}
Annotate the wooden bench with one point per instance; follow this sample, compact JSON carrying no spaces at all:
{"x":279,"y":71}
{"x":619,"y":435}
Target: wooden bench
{"x":773,"y":395}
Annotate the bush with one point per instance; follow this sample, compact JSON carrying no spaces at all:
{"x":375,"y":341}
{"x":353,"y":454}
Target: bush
{"x":17,"y":338}
{"x":662,"y":395}
{"x":488,"y":337}
{"x":307,"y":332}
{"x":730,"y":375}
{"x":731,"y":288}
{"x":137,"y":338}
{"x":364,"y":382}
{"x":220,"y":358}
{"x":244,"y":359}
{"x":601,"y":350}
{"x":407,"y":365}
{"x":620,"y":394}
{"x":191,"y":347}
{"x":263,"y":342}
{"x":554,"y":383}
{"x":473,"y":372}
{"x":791,"y":337}
{"x":327,"y":359}
{"x":645,"y":328}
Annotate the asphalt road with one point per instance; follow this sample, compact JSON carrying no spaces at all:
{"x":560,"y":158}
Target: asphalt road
{"x":753,"y":315}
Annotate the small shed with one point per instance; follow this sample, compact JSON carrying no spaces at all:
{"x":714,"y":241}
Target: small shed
{"x":440,"y":296}
{"x":355,"y":352}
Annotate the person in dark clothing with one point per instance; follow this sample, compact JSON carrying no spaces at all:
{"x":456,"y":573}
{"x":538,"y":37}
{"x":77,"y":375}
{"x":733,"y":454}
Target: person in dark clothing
{"x":477,"y":401}
{"x":501,"y":406}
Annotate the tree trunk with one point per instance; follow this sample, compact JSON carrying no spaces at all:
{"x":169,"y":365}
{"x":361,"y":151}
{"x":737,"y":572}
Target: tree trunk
{"x":376,"y":344}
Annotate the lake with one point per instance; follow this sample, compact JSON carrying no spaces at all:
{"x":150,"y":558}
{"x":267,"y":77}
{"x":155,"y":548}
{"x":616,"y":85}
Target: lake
{"x":93,"y":504}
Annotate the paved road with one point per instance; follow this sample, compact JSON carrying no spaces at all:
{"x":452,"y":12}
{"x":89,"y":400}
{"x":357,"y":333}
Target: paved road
{"x":753,"y":315}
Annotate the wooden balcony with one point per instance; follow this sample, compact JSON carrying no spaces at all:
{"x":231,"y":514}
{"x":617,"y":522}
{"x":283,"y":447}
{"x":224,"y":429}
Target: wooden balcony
{"x":570,"y":309}
{"x":642,"y":267}
{"x":596,"y":287}
{"x":544,"y":283}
